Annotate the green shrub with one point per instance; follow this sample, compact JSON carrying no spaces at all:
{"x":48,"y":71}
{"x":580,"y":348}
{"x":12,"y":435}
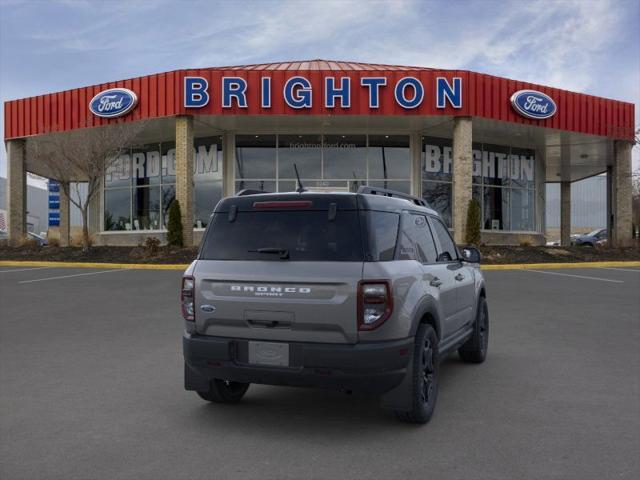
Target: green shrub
{"x":473,"y":223}
{"x":174,"y":227}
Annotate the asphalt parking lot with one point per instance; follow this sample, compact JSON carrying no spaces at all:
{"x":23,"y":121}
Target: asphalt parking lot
{"x":91,"y":387}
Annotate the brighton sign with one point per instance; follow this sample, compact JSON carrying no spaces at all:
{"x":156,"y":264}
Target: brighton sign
{"x":298,"y":93}
{"x":113,"y":103}
{"x":533,"y":104}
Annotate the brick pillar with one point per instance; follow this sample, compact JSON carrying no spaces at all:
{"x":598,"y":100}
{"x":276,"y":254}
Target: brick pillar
{"x":621,"y":185}
{"x":65,"y":215}
{"x":184,"y":174}
{"x":416,"y":164}
{"x":462,"y":175}
{"x":228,"y":164}
{"x":565,"y":213}
{"x":16,"y":191}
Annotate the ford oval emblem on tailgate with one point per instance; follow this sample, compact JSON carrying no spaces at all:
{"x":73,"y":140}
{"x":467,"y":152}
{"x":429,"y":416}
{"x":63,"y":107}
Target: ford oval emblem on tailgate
{"x":208,"y":308}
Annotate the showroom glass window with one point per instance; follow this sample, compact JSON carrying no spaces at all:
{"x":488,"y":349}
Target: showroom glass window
{"x":437,"y":175}
{"x":140,"y":185}
{"x":503,"y":183}
{"x":207,"y":178}
{"x":325,"y":162}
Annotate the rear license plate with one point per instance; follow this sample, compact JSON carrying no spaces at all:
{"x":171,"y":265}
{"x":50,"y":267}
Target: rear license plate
{"x":268,"y":353}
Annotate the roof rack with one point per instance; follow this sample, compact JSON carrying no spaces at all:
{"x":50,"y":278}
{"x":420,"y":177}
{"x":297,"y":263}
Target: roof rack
{"x":393,"y":193}
{"x":248,"y":191}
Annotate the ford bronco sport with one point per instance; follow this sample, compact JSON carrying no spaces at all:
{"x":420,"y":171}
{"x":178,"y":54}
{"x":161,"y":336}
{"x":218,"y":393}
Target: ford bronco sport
{"x":357,"y":291}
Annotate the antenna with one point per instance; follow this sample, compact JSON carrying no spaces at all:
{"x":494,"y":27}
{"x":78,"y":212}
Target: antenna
{"x":300,"y":188}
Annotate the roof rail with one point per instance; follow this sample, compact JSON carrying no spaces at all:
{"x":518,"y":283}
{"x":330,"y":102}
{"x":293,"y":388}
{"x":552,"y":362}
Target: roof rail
{"x":248,"y":191}
{"x":393,"y":193}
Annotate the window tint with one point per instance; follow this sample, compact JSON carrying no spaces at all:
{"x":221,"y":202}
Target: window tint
{"x":304,"y":235}
{"x":447,"y":247}
{"x":383,"y":233}
{"x":416,"y":240}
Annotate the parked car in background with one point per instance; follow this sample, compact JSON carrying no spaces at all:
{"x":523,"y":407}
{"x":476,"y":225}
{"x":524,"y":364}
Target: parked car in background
{"x":591,"y":239}
{"x":40,"y":239}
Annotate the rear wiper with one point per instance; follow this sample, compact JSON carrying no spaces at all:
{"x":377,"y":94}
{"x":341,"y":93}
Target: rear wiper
{"x":283,"y":252}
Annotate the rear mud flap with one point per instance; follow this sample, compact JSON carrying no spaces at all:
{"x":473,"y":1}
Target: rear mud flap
{"x":194,"y":381}
{"x":401,"y":397}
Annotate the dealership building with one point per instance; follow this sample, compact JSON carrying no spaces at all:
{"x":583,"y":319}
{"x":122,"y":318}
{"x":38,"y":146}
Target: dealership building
{"x":445,"y":135}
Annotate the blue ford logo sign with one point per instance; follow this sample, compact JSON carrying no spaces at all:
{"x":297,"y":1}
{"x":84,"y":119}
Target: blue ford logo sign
{"x":114,"y":102}
{"x":533,"y":104}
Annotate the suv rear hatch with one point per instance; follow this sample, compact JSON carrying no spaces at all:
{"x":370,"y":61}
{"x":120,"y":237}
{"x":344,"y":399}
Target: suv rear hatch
{"x":281,"y":267}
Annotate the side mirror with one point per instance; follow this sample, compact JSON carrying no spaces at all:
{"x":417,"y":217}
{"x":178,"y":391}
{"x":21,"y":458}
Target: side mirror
{"x":471,"y":255}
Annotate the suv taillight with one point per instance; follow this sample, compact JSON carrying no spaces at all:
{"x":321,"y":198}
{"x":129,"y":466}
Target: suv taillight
{"x":375,"y":303}
{"x":186,"y":298}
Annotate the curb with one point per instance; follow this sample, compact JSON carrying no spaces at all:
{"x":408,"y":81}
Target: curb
{"x":550,"y":266}
{"x":130,"y":266}
{"x":183,"y":266}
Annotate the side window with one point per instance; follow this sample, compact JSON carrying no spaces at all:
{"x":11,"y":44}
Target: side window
{"x":382,"y":234}
{"x":448,"y":251}
{"x":416,"y":242}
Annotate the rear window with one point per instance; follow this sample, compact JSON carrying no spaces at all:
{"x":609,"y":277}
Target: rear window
{"x":284,"y":236}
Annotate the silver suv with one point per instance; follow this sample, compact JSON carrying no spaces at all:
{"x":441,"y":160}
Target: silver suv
{"x":357,"y":291}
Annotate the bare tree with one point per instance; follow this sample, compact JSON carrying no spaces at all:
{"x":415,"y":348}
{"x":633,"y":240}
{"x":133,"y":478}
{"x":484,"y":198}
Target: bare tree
{"x":82,"y":156}
{"x":635,"y":192}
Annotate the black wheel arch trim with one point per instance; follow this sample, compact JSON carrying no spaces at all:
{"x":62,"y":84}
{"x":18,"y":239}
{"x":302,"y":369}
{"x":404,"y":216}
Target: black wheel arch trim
{"x":427,"y":306}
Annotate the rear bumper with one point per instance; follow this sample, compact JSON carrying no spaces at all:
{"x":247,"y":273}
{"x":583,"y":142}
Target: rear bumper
{"x":375,"y":367}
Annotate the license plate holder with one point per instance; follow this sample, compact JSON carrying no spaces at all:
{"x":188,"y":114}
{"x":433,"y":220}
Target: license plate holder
{"x":269,"y":353}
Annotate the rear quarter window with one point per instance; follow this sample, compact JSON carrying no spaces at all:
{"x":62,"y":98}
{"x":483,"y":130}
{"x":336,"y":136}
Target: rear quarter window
{"x":382,"y":228}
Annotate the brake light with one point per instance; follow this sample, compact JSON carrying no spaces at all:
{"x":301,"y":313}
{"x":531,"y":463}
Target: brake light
{"x":375,"y":303}
{"x":284,"y":204}
{"x":186,"y":298}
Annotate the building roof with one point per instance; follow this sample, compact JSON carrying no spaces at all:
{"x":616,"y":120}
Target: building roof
{"x":161,"y":95}
{"x":320,"y":64}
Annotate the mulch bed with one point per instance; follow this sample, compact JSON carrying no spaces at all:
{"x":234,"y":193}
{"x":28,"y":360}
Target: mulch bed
{"x":171,"y":255}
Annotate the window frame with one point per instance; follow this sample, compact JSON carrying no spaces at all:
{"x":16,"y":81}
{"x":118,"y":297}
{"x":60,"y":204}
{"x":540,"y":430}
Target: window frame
{"x":436,"y":239}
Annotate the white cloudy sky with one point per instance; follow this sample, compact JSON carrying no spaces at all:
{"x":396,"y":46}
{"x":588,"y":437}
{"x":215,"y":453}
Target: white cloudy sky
{"x":591,"y":46}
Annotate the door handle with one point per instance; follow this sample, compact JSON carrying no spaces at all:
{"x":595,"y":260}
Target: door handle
{"x":459,"y":277}
{"x":436,"y":282}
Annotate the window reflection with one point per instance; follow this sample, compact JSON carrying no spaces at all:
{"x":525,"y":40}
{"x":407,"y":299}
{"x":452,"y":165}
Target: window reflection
{"x":117,"y":213}
{"x":255,"y":156}
{"x":303,"y":150}
{"x":344,"y":156}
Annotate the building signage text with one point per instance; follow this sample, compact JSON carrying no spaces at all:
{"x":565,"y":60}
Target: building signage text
{"x":488,"y":164}
{"x":298,"y":93}
{"x":151,"y":163}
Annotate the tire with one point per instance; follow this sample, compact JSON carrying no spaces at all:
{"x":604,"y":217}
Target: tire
{"x":475,"y":349}
{"x":425,"y":377}
{"x":222,"y":391}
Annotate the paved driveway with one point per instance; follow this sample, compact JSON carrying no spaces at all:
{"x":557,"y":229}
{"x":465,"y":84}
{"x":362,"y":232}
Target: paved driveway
{"x":91,"y":387}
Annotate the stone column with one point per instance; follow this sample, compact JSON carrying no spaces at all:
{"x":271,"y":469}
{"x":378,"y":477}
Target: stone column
{"x":16,"y":191}
{"x":184,"y":174}
{"x":65,"y":216}
{"x":462,"y":175}
{"x":565,"y":213}
{"x":620,"y":234}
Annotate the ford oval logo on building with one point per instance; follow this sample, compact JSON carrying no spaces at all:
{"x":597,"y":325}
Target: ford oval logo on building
{"x":533,"y":104}
{"x":114,"y":102}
